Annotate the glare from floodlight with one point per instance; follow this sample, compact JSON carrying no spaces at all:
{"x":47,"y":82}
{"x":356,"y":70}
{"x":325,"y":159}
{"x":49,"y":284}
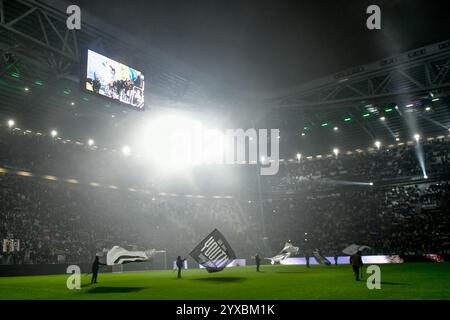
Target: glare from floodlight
{"x":126,"y":150}
{"x":371,"y":183}
{"x":54,"y":133}
{"x":303,"y":134}
{"x":72,"y":103}
{"x":383,"y":118}
{"x":26,"y":89}
{"x":336,"y":151}
{"x":378,"y":144}
{"x":397,"y":139}
{"x":91,"y":142}
{"x":425,"y":176}
{"x":427,"y":109}
{"x":11,"y":123}
{"x":299,"y":156}
{"x":417,"y":137}
{"x":335,"y":128}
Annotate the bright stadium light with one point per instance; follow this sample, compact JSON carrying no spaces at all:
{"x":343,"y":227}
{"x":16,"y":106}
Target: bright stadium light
{"x":299,"y":156}
{"x":26,"y":89}
{"x":417,"y":137}
{"x":303,"y":134}
{"x":371,"y":183}
{"x":91,"y":142}
{"x":126,"y":150}
{"x":378,"y":144}
{"x":383,"y":118}
{"x":262,"y":159}
{"x":72,"y":103}
{"x":53,"y":133}
{"x":425,"y":176}
{"x":336,"y":151}
{"x":11,"y":123}
{"x":335,"y":128}
{"x":427,"y":109}
{"x":397,"y":139}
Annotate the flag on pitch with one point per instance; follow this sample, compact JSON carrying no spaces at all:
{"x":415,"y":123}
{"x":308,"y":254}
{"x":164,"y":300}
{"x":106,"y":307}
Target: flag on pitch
{"x":289,"y":248}
{"x":214,"y":252}
{"x":320,"y":258}
{"x":353,"y":249}
{"x":118,"y":255}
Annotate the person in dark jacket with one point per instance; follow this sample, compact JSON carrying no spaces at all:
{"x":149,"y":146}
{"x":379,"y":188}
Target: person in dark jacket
{"x":179,"y":266}
{"x":307,"y":259}
{"x":258,"y":262}
{"x":95,"y":267}
{"x":356,"y":262}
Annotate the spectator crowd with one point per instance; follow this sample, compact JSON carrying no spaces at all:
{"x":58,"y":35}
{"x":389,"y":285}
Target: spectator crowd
{"x":322,"y":203}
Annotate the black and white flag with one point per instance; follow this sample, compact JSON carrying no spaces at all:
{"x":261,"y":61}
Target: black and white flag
{"x":214,"y":253}
{"x":320,"y":258}
{"x":118,"y":255}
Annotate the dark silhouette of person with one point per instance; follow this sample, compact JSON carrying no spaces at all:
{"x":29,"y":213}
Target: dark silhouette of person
{"x":258,"y":262}
{"x":336,"y":257}
{"x":95,"y":267}
{"x":356,"y":262}
{"x":179,"y":266}
{"x":307,"y":260}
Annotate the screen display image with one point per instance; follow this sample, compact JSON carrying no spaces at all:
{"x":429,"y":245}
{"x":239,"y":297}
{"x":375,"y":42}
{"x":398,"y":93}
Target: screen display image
{"x":114,"y":80}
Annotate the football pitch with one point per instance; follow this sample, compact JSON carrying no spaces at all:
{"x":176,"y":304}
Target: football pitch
{"x":402,"y":281}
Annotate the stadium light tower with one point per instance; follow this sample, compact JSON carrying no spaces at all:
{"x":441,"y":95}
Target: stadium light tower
{"x":336,"y":151}
{"x":378,"y":144}
{"x":11,"y":123}
{"x":126,"y":150}
{"x":54,"y":133}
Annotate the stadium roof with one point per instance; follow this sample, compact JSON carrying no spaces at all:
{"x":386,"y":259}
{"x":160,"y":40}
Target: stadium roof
{"x":40,"y":88}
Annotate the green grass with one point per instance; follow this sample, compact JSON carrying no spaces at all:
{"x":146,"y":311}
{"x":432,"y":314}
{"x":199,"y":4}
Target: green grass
{"x":405,"y":281}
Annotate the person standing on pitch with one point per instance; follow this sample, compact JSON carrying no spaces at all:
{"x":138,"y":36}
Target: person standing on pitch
{"x":180,"y":266}
{"x":356,"y":262}
{"x":258,"y":262}
{"x":95,"y":267}
{"x":307,"y":259}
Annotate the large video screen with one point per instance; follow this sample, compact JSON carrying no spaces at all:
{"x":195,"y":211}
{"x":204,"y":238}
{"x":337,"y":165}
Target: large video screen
{"x":114,"y":80}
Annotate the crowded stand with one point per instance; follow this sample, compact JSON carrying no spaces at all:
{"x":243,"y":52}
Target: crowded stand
{"x":307,"y":203}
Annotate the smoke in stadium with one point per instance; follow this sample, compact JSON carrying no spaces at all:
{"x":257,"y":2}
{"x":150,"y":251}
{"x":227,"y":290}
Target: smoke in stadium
{"x":243,"y":150}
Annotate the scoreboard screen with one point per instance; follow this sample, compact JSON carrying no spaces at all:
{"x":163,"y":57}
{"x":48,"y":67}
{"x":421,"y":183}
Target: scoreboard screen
{"x":114,"y":80}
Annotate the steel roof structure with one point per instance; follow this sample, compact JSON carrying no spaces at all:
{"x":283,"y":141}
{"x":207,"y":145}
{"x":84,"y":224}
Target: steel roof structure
{"x":42,"y":62}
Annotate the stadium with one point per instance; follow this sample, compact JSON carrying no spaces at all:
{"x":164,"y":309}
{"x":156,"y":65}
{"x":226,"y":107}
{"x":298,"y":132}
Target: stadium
{"x":135,"y":165}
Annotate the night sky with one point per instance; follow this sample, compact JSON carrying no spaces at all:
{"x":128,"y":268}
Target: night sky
{"x":266,"y":45}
